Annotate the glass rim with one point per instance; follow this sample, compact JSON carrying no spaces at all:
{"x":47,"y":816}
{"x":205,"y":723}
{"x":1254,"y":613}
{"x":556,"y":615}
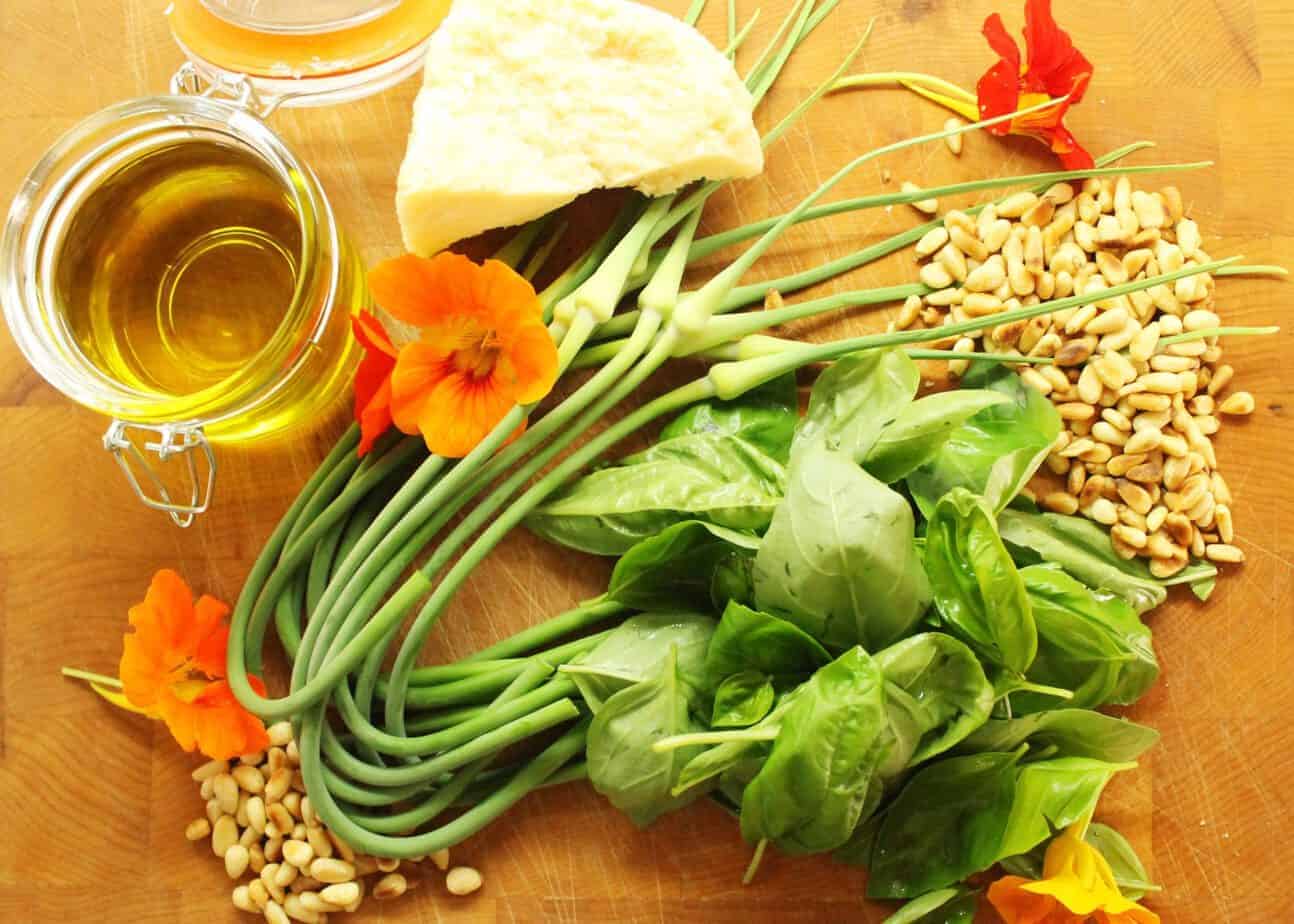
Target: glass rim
{"x":29,"y":249}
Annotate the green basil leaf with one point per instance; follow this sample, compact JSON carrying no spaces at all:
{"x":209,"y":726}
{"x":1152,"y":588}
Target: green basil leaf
{"x":634,"y":651}
{"x":765,"y":417}
{"x":713,"y":477}
{"x":936,"y":694}
{"x":1065,"y":733}
{"x":977,"y":589}
{"x":742,"y":699}
{"x":675,"y":567}
{"x":1129,"y":872}
{"x":1090,"y":642}
{"x":1083,"y":549}
{"x":995,"y":452}
{"x":947,"y":906}
{"x":839,"y":558}
{"x":945,"y":824}
{"x":854,"y":399}
{"x":922,"y":428}
{"x":622,"y":764}
{"x":733,"y":579}
{"x":747,"y":639}
{"x":820,"y":778}
{"x":1053,"y":794}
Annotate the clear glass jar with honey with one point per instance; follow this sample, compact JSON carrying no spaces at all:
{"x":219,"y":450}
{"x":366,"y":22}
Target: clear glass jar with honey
{"x":172,"y":264}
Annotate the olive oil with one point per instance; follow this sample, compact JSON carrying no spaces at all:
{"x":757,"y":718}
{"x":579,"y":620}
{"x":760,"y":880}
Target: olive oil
{"x":182,"y":272}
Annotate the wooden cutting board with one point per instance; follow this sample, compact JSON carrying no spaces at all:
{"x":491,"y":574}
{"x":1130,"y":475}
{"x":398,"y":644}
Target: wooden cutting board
{"x":94,"y":800}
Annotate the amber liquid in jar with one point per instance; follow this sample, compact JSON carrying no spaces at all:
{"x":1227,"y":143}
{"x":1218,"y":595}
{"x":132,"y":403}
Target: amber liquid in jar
{"x":177,"y":273}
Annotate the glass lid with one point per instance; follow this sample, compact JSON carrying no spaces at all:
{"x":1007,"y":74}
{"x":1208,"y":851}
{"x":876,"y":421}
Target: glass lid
{"x":297,"y":16}
{"x":306,"y":52}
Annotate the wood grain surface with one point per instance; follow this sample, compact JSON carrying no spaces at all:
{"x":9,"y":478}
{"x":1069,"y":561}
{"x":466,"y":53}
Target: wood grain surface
{"x":93,"y":801}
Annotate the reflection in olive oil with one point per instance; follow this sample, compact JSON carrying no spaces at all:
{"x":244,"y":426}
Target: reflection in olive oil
{"x":179,"y":269}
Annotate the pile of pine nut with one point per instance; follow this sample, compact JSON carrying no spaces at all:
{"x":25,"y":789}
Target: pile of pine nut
{"x":259,"y":821}
{"x":1135,"y":454}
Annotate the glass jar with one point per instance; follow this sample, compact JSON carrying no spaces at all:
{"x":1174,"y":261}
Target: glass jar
{"x":172,"y":264}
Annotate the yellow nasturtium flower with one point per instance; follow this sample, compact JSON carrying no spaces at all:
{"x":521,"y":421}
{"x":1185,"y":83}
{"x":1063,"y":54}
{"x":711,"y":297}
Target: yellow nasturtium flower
{"x":1077,"y":886}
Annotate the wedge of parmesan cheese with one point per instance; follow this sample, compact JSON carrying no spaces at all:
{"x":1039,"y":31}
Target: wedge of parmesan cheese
{"x":528,"y":104}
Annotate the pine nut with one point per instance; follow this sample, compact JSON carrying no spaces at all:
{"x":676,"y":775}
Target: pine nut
{"x":293,"y":753}
{"x":256,"y":859}
{"x":926,"y":206}
{"x":1238,"y":403}
{"x":225,"y":790}
{"x":327,"y":869}
{"x":279,"y":783}
{"x":1108,"y":433}
{"x":304,"y":883}
{"x":1136,"y":497}
{"x":1149,"y":402}
{"x":273,"y":847}
{"x":1100,"y":454}
{"x":987,"y":276}
{"x":932,"y":241}
{"x":207,"y":789}
{"x":954,"y":142}
{"x":935,"y":276}
{"x":1167,"y":567}
{"x":274,"y":760}
{"x":1103,"y":512}
{"x":298,"y":831}
{"x":1155,"y":518}
{"x":1107,"y":322}
{"x":242,"y":900}
{"x":257,"y":892}
{"x":281,"y":818}
{"x":964,"y":240}
{"x":314,"y":901}
{"x":463,"y":880}
{"x":952,"y":260}
{"x":1035,"y":380}
{"x":210,"y":770}
{"x":248,"y":837}
{"x":995,"y":235}
{"x":249,"y":779}
{"x":285,"y":875}
{"x":1117,"y":419}
{"x":340,"y":894}
{"x":1075,"y":410}
{"x":274,"y":913}
{"x":297,"y":911}
{"x":308,"y":812}
{"x":224,"y":834}
{"x":298,"y":853}
{"x":1131,"y":518}
{"x":1222,"y":516}
{"x":1223,"y":552}
{"x":198,"y":829}
{"x":1220,"y":490}
{"x":1149,"y":472}
{"x":236,"y":861}
{"x":280,"y":733}
{"x":319,"y":842}
{"x":1060,"y":502}
{"x":1016,"y":204}
{"x":1188,"y":237}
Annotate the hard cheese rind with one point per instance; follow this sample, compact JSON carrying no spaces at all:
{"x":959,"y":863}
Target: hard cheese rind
{"x":528,"y":104}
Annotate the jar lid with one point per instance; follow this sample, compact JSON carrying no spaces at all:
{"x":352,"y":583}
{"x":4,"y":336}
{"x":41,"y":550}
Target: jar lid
{"x":306,"y":52}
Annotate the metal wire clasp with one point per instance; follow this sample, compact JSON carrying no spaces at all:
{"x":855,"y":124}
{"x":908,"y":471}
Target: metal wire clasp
{"x":170,"y":441}
{"x":189,"y":80}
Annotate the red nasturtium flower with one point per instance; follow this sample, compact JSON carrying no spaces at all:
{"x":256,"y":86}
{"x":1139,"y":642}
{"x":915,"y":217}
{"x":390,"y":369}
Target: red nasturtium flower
{"x":483,"y":348}
{"x":1077,"y":887}
{"x":373,"y":379}
{"x":173,"y":669}
{"x":1054,"y":68}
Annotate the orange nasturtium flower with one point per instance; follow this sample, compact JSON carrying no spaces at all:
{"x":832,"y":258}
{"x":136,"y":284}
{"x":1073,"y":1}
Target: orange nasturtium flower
{"x":373,"y":379}
{"x":1077,"y":887}
{"x":1054,"y":68}
{"x":483,"y":347}
{"x":173,"y":669}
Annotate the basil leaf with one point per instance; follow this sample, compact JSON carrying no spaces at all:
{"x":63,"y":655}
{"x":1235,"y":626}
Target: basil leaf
{"x":854,"y":399}
{"x":839,"y":558}
{"x":995,"y":452}
{"x":622,"y":764}
{"x":742,"y":699}
{"x":634,"y":651}
{"x":747,"y":639}
{"x":675,"y":567}
{"x":944,"y":825}
{"x":936,"y":694}
{"x":1053,"y":794}
{"x":980,"y":595}
{"x":1083,"y":549}
{"x":947,"y":906}
{"x":1129,"y":872}
{"x":1065,"y":733}
{"x":820,"y":778}
{"x":1089,"y":642}
{"x":700,"y":476}
{"x":765,"y":417}
{"x":922,"y":428}
{"x":746,"y":747}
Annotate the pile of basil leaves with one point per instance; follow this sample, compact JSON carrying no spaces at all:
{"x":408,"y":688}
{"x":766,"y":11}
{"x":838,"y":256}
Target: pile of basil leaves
{"x":874,"y":645}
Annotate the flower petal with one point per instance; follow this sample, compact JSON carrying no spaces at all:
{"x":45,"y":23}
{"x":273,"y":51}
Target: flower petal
{"x":422,"y":366}
{"x":460,"y":412}
{"x":216,"y":723}
{"x":212,"y":636}
{"x":1016,"y":906}
{"x":533,"y":363}
{"x":1001,"y":42}
{"x":375,"y":417}
{"x":506,"y":299}
{"x":998,"y":92}
{"x":1054,"y":62}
